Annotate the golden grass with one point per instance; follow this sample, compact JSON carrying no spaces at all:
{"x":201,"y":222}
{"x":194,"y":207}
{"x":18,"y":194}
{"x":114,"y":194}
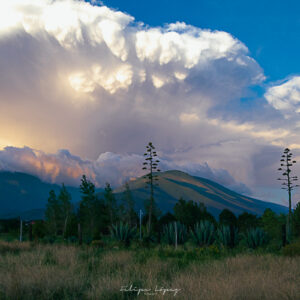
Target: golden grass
{"x":69,"y":272}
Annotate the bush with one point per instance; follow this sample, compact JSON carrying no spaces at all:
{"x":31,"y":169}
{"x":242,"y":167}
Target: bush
{"x":203,"y":233}
{"x":169,"y":233}
{"x":226,"y":236}
{"x":123,"y":233}
{"x":291,"y":250}
{"x":256,"y":237}
{"x":98,"y":244}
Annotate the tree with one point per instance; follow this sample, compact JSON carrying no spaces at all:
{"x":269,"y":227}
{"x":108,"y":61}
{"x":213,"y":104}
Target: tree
{"x":38,"y":229}
{"x":129,"y":214}
{"x":189,"y":212}
{"x":151,"y":165}
{"x":52,"y":213}
{"x":288,"y":182}
{"x":110,"y":201}
{"x":271,"y":223}
{"x":64,"y":200}
{"x":296,"y":220}
{"x":227,"y":217}
{"x":166,"y":219}
{"x":247,"y":221}
{"x":87,"y":206}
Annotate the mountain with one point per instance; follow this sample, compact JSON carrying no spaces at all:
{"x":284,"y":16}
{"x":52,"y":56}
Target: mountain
{"x":176,"y":184}
{"x":26,"y":196}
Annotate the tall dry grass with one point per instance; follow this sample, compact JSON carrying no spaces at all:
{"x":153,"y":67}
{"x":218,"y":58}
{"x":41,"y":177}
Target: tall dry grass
{"x":69,"y":272}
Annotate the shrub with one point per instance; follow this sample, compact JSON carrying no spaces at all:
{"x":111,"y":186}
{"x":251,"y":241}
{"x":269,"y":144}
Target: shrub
{"x":98,"y":244}
{"x":227,"y":236}
{"x":123,"y":233}
{"x":169,"y":233}
{"x":203,"y":233}
{"x":256,"y":237}
{"x":291,"y":249}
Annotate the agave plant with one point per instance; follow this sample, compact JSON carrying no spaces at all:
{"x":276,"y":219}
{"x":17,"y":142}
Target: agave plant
{"x":256,"y":237}
{"x":123,"y":233}
{"x":203,"y":233}
{"x":227,"y":236}
{"x":169,"y":233}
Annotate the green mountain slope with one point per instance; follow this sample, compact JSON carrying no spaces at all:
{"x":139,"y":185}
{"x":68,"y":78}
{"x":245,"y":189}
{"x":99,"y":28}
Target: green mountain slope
{"x":25,"y":195}
{"x":176,"y":184}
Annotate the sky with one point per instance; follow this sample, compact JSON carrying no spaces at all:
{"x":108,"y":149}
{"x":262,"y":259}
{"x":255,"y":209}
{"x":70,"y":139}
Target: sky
{"x":215,"y":85}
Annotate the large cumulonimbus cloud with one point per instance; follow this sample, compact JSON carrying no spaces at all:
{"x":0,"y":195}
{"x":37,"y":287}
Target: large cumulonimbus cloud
{"x":91,"y":80}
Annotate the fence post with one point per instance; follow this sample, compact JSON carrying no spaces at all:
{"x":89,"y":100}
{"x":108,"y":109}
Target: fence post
{"x":21,"y":230}
{"x":283,"y":234}
{"x":141,"y":224}
{"x":175,"y":225}
{"x":79,"y":234}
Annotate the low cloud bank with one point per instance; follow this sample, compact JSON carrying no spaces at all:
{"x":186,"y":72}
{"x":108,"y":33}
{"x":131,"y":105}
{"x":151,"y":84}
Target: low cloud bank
{"x":109,"y":167}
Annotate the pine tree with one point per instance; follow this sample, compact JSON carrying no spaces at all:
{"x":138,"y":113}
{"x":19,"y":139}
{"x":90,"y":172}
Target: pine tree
{"x":296,"y":220}
{"x":87,"y":206}
{"x":110,"y":201}
{"x":129,"y":213}
{"x":64,"y":200}
{"x":52,"y":213}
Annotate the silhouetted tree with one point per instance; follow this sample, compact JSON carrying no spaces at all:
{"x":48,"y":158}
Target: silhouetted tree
{"x":127,"y":207}
{"x":296,"y":220}
{"x":39,"y":229}
{"x":271,"y":223}
{"x":87,"y":212}
{"x":111,"y":203}
{"x":246,"y":221}
{"x":227,"y":217}
{"x":151,"y":165}
{"x":64,"y":200}
{"x":166,"y":219}
{"x":189,"y":212}
{"x":288,"y":183}
{"x":52,"y":213}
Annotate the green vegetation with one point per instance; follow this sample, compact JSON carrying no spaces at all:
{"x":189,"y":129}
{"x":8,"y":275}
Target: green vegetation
{"x":151,"y":165}
{"x":255,"y":238}
{"x":99,"y":271}
{"x":288,"y":184}
{"x":227,"y":236}
{"x":96,"y":248}
{"x":175,"y":232}
{"x":204,"y":233}
{"x":123,"y":233}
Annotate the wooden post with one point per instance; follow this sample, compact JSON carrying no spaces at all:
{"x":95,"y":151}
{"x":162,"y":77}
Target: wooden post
{"x":30,"y":231}
{"x":141,"y":224}
{"x":21,"y":230}
{"x":79,"y":234}
{"x":283,"y":229}
{"x":175,"y":225}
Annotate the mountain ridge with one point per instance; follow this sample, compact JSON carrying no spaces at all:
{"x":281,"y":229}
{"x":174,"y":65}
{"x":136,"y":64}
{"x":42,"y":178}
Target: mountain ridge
{"x":28,"y":194}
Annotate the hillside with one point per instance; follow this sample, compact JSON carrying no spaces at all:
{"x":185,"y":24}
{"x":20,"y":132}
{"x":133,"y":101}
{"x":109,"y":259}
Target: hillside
{"x":176,"y":184}
{"x":25,"y":195}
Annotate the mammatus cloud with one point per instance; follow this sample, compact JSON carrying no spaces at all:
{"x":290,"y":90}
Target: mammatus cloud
{"x":63,"y":167}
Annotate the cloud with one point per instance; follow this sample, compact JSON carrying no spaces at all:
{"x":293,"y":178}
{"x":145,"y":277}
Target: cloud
{"x":63,"y":167}
{"x":285,"y":97}
{"x":90,"y":79}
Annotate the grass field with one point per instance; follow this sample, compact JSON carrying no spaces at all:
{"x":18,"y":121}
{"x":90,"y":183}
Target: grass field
{"x":34,"y":271}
